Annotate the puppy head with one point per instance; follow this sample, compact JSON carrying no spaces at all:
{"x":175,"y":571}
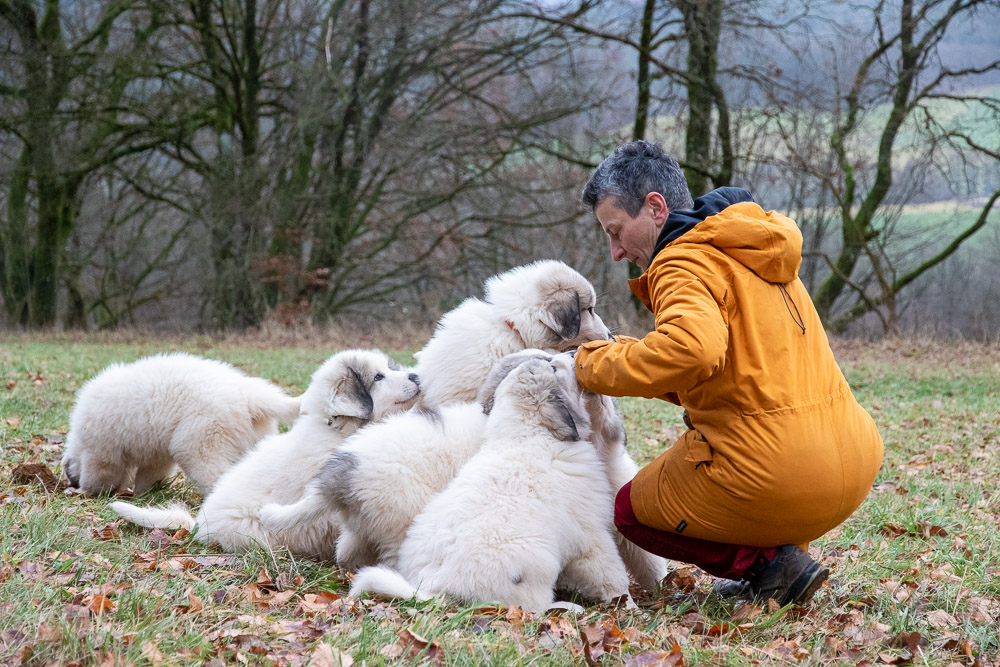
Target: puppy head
{"x":501,"y":369}
{"x":534,"y":395}
{"x":359,"y":386}
{"x":549,"y":304}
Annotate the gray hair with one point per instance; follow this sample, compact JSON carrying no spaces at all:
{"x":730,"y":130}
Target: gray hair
{"x":633,"y":171}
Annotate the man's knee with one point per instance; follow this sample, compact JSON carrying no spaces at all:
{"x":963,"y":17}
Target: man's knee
{"x":624,"y":516}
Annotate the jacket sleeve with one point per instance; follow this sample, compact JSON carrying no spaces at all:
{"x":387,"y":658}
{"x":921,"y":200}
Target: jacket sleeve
{"x":687,"y":347}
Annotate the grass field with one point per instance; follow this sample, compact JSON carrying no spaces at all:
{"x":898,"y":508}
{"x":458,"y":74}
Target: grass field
{"x":915,"y":572}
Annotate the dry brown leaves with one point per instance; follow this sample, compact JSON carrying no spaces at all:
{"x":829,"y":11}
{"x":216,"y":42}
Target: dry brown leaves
{"x":37,"y":473}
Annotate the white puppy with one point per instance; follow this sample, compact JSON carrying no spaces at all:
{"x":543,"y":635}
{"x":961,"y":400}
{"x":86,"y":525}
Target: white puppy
{"x":543,"y":305}
{"x":133,"y":422}
{"x":534,"y":502}
{"x":385,"y":474}
{"x":349,"y":390}
{"x":608,"y":436}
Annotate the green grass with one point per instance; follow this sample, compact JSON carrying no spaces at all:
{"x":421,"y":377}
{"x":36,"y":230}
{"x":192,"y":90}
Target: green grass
{"x":922,"y":554}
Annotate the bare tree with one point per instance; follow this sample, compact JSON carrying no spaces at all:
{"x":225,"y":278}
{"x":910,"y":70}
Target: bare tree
{"x":904,"y":68}
{"x":68,"y":86}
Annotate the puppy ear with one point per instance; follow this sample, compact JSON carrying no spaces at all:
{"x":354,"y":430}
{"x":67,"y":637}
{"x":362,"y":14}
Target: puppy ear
{"x":557,"y":417}
{"x":501,"y":369}
{"x":351,"y":398}
{"x":561,"y":313}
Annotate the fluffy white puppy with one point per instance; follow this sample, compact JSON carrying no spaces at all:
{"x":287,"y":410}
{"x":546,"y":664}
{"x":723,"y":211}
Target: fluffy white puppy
{"x":608,"y":436}
{"x":543,"y":305}
{"x":349,"y":390}
{"x":133,"y":423}
{"x":534,"y":502}
{"x":385,"y":474}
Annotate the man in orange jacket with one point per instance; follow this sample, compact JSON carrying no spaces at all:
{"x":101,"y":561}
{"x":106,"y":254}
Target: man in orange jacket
{"x":778,"y":451}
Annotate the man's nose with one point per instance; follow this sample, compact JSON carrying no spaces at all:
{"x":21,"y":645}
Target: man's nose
{"x":617,"y":252}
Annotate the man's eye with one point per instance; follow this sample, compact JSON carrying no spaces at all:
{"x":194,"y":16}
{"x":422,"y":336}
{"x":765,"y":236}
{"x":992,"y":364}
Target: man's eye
{"x":379,"y":376}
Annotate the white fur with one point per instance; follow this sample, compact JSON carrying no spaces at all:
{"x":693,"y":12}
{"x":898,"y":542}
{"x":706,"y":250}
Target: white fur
{"x":385,"y":474}
{"x":534,"y":502}
{"x":608,"y":437}
{"x":526,"y":307}
{"x":349,"y":390}
{"x":133,"y":422}
{"x":382,"y":477}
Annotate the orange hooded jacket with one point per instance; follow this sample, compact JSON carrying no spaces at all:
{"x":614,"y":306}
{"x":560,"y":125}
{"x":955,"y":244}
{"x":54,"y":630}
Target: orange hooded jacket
{"x":780,"y":452}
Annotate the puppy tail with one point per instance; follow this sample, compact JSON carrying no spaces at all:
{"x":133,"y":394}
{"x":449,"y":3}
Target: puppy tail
{"x":384,"y":581}
{"x":284,"y":409}
{"x":174,"y":516}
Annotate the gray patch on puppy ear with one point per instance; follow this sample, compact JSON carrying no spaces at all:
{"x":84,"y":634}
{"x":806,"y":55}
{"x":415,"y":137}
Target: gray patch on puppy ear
{"x":562,"y":314}
{"x":558,"y":418}
{"x":352,"y":398}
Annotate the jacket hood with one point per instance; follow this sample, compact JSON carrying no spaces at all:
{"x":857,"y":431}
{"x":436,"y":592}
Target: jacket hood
{"x":767,"y":243}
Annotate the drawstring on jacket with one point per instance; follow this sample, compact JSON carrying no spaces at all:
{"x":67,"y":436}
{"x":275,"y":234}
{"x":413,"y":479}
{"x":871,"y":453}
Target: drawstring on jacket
{"x":796,"y":317}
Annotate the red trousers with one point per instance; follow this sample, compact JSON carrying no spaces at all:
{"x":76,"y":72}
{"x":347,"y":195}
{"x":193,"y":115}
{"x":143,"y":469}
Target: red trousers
{"x":730,"y":561}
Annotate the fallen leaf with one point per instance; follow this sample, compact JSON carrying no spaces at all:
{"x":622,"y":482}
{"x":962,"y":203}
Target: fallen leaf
{"x":893,"y":530}
{"x":325,"y":655}
{"x":980,"y":610}
{"x":671,"y":658}
{"x":152,"y":653}
{"x":928,"y":531}
{"x":682,"y":579}
{"x":12,"y":421}
{"x":98,"y":603}
{"x":416,"y":645}
{"x":47,"y":634}
{"x":939,"y":618}
{"x":911,"y":641}
{"x":109,"y":532}
{"x":194,"y":604}
{"x":745,"y":612}
{"x":559,"y":627}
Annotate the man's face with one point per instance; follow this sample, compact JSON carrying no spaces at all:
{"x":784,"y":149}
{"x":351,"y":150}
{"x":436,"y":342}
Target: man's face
{"x":633,"y":238}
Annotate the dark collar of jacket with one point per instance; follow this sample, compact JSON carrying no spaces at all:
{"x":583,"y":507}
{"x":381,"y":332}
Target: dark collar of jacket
{"x":680,"y":222}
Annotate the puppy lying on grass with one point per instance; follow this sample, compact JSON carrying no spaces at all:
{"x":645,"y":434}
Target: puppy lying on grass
{"x":350,"y":390}
{"x":134,"y":423}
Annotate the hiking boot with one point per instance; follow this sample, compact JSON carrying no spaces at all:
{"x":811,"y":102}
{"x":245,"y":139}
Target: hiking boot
{"x":726,"y":588}
{"x":791,"y":577}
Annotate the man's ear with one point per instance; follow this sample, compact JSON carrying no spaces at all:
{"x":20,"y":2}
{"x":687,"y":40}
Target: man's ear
{"x":657,"y":208}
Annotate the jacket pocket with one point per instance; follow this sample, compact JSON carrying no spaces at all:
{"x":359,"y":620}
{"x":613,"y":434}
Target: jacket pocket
{"x":698,"y":450}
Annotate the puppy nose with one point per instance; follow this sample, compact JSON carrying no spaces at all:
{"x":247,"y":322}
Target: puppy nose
{"x":414,"y":378}
{"x":609,"y":335}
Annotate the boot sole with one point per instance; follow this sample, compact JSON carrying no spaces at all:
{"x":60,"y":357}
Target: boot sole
{"x":806,"y":586}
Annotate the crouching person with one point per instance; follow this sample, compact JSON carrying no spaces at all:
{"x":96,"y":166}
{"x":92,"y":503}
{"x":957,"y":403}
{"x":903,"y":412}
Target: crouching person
{"x":778,"y":451}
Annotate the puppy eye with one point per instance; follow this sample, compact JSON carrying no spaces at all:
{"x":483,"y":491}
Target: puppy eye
{"x":591,"y":310}
{"x":379,"y":376}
